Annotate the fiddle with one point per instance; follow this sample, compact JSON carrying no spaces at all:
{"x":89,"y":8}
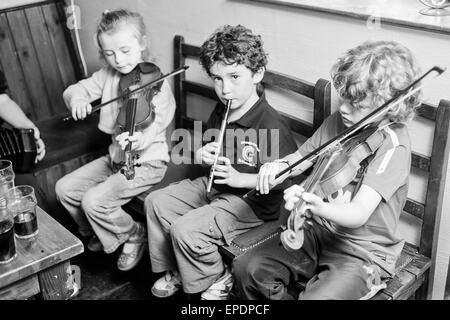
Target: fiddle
{"x":136,"y":90}
{"x":357,"y":127}
{"x":333,"y":170}
{"x":337,"y":162}
{"x":138,"y":110}
{"x":68,"y":116}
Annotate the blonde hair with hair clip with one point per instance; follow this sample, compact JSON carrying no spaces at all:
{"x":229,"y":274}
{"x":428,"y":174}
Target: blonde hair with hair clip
{"x":113,"y":20}
{"x":377,"y":71}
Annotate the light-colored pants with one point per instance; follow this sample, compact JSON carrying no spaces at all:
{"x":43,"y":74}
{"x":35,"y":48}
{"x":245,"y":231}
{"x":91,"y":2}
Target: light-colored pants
{"x":186,"y":225}
{"x":94,"y":193}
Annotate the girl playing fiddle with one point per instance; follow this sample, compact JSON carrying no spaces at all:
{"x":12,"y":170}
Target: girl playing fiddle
{"x":352,"y":243}
{"x":93,"y":194}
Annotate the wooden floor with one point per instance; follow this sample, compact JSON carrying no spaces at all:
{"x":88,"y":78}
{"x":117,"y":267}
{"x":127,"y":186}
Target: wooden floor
{"x":101,"y":280}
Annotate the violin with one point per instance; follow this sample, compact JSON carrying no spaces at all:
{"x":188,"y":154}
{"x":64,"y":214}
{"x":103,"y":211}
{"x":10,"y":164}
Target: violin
{"x":136,"y":90}
{"x":337,"y":162}
{"x":333,"y":170}
{"x":138,"y":111}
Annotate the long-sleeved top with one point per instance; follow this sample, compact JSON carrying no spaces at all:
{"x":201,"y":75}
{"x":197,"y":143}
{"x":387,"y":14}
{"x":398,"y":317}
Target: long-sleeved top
{"x":104,"y":84}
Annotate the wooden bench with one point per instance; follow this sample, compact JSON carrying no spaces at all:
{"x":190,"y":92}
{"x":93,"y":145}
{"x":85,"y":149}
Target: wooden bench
{"x":40,"y":60}
{"x":413,"y":267}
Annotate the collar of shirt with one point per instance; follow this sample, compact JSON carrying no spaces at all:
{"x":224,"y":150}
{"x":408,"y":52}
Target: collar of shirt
{"x":251,"y":117}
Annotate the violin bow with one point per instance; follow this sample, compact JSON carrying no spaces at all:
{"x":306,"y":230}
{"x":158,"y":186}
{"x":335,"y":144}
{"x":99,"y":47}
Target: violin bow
{"x":126,"y":94}
{"x":402,"y":95}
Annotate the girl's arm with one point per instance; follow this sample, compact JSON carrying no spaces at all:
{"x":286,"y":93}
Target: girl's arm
{"x":350,"y":215}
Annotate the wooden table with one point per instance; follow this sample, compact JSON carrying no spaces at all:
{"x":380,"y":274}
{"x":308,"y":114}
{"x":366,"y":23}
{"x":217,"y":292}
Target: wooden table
{"x":42,"y":264}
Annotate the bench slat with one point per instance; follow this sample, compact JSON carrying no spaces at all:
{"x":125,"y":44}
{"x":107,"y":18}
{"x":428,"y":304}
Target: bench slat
{"x":280,"y":80}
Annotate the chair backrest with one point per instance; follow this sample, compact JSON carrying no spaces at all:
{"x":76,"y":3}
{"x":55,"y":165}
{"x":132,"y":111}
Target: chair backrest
{"x":429,"y":212}
{"x":38,"y":57}
{"x":318,"y":92}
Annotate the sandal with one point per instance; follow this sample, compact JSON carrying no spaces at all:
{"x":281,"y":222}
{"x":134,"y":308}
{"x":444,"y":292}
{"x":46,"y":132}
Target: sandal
{"x":133,"y":249}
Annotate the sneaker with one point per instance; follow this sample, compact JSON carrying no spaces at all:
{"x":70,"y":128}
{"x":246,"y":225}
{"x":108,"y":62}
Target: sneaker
{"x":133,"y":249}
{"x":94,"y":244}
{"x":167,"y":285}
{"x":220,"y":289}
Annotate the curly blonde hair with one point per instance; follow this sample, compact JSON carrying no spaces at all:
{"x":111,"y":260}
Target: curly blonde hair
{"x":378,"y":70}
{"x":113,"y":20}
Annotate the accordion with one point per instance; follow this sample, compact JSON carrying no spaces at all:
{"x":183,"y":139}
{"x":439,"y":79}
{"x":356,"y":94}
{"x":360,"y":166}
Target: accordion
{"x":18,"y":146}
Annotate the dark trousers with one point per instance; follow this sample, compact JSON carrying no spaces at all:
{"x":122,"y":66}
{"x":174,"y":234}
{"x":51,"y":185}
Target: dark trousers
{"x":333,"y":269}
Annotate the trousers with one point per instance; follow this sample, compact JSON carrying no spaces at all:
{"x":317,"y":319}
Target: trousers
{"x":186,"y":225}
{"x":94,"y":194}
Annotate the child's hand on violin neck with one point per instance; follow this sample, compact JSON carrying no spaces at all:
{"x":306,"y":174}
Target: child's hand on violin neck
{"x":80,"y":109}
{"x":124,"y":138}
{"x":293,"y":194}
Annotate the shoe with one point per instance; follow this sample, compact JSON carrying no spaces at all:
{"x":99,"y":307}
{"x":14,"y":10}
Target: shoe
{"x":94,"y":244}
{"x":133,"y":249}
{"x":167,"y":285}
{"x":219,"y":290}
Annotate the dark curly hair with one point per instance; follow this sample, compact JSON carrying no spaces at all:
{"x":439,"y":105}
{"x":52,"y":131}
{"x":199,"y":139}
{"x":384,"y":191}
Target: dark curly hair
{"x":233,"y":44}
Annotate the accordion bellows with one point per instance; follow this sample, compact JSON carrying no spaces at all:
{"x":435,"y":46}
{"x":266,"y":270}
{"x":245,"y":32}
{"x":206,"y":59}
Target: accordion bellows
{"x":18,"y":146}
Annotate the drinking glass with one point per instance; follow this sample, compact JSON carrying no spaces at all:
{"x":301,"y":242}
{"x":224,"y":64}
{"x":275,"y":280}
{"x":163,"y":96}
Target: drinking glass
{"x":21,"y":204}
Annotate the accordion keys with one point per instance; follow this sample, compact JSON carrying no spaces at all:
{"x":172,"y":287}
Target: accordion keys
{"x":18,"y":146}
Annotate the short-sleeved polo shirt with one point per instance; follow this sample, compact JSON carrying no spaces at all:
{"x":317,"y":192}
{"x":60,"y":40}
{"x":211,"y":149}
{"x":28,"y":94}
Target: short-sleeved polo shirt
{"x":259,"y":136}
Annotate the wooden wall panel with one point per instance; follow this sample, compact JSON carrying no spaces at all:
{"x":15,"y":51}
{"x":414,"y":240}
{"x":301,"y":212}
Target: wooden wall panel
{"x":55,"y":28}
{"x":46,"y":58}
{"x":32,"y":72}
{"x":12,"y":69}
{"x":38,"y":57}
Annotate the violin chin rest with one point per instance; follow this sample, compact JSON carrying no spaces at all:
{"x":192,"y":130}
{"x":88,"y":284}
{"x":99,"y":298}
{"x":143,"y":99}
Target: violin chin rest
{"x":292,"y":240}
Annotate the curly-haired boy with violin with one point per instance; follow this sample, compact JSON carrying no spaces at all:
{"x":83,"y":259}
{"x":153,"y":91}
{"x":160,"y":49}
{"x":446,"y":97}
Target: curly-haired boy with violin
{"x":351,"y":245}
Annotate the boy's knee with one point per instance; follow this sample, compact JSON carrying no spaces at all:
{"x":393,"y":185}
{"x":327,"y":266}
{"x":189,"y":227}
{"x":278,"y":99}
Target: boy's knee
{"x":179,"y":230}
{"x":61,"y":188}
{"x":89,"y":202}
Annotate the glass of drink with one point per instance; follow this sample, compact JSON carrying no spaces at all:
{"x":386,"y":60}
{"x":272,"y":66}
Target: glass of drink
{"x":7,"y":244}
{"x":6,"y":176}
{"x":21,"y":204}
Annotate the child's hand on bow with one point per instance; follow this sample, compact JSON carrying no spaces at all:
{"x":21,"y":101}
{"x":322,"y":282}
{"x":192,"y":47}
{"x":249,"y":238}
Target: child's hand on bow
{"x":266,"y":176}
{"x":227,"y":173}
{"x":124,"y":138}
{"x":80,"y":109}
